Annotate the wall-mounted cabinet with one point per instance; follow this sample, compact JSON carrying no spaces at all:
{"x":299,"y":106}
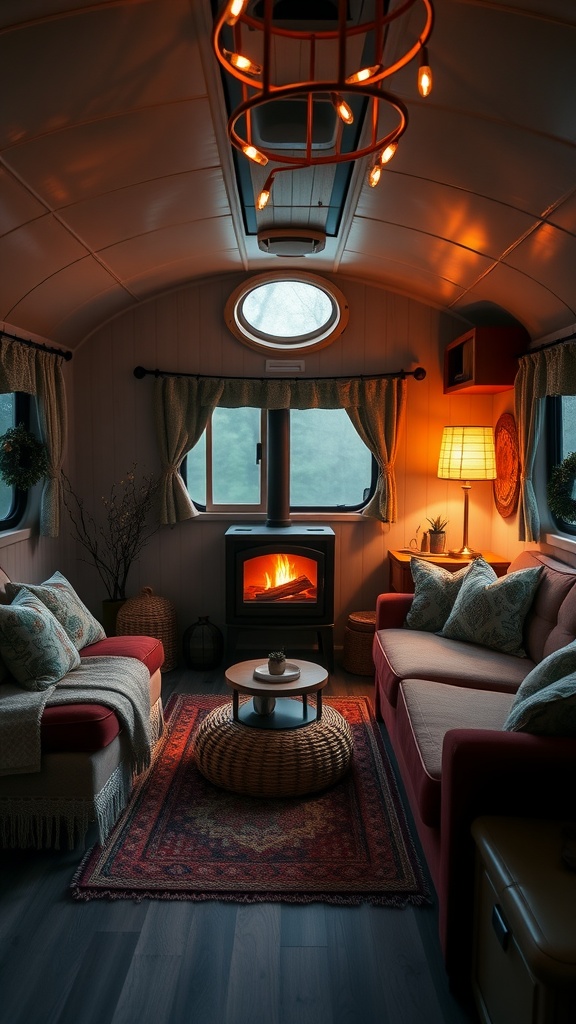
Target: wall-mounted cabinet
{"x":484,"y":360}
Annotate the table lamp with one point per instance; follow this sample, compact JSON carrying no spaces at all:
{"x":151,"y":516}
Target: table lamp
{"x":467,"y":453}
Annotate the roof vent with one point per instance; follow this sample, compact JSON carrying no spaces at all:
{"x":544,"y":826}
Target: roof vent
{"x":287,"y":242}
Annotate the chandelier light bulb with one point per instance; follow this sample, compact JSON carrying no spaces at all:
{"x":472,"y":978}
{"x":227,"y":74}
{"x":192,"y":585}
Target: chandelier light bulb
{"x":364,"y":74}
{"x":424,"y":74}
{"x":342,"y":108}
{"x":235,"y":9}
{"x":238,"y":60}
{"x":374,"y":175}
{"x":262,"y":199}
{"x":388,"y":153}
{"x":254,"y":154}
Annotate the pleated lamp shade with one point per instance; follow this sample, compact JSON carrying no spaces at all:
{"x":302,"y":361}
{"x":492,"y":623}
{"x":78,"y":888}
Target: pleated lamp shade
{"x":467,"y":453}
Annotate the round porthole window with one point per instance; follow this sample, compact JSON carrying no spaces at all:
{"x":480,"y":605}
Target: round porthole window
{"x":289,"y":313}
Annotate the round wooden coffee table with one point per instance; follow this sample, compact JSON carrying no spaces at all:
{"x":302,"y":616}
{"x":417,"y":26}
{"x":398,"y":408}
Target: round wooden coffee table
{"x":272,"y":706}
{"x":271,"y":759}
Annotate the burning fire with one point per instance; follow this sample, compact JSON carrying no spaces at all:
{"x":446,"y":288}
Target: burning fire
{"x":280,"y":576}
{"x":283,"y":572}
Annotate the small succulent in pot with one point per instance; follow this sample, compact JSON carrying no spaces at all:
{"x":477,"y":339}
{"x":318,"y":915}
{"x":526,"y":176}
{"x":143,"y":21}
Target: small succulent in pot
{"x":276,"y":663}
{"x":437,"y":535}
{"x":437,"y":524}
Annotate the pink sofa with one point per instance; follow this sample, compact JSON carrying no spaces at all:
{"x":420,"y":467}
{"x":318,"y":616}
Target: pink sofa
{"x":444,"y":703}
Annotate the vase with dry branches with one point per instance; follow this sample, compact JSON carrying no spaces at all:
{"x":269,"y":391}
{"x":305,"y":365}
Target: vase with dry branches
{"x":114,"y":537}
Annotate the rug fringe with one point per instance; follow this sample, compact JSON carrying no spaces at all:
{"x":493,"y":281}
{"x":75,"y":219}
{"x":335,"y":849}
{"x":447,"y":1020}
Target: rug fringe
{"x":351,"y":900}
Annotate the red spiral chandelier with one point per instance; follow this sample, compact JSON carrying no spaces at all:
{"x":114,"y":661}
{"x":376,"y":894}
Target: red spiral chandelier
{"x":313,"y":65}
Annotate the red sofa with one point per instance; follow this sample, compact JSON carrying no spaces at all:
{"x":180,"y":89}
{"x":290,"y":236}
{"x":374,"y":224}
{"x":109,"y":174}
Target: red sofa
{"x":86,"y":762}
{"x":444,"y":703}
{"x":84,"y":758}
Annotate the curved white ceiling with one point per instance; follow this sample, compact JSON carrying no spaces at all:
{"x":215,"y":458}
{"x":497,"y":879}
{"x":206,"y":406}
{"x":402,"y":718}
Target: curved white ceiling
{"x":116,"y":177}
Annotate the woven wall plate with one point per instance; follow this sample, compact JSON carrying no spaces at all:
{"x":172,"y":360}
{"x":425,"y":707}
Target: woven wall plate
{"x":507,"y":482}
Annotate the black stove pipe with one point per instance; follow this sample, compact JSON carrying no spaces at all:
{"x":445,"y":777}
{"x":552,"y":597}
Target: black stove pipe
{"x":278,"y":468}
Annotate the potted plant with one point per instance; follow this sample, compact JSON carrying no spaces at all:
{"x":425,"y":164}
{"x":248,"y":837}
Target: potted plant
{"x":23,"y":458}
{"x":437,"y":534}
{"x":276,"y":663}
{"x":114,"y":538}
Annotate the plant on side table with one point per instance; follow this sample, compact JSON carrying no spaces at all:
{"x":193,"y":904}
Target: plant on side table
{"x":276,"y":663}
{"x":437,"y":534}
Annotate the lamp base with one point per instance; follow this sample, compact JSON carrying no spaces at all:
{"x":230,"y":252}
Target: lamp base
{"x":465,"y":552}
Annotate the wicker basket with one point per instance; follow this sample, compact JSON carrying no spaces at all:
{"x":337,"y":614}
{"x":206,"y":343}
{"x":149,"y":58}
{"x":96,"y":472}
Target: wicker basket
{"x":358,"y":639}
{"x":149,"y":615}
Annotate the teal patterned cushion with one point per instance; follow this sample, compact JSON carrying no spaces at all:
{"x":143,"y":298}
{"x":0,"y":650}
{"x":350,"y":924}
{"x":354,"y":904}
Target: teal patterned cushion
{"x":33,"y":644}
{"x":546,"y":701}
{"x":435,"y":591}
{"x":60,"y":597}
{"x":491,"y":611}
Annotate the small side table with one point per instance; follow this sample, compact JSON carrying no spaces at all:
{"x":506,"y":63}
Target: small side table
{"x":401,"y":578}
{"x":261,"y":712}
{"x":524,"y":964}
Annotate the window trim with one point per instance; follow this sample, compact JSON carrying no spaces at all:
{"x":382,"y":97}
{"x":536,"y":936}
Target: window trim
{"x":298,"y":345}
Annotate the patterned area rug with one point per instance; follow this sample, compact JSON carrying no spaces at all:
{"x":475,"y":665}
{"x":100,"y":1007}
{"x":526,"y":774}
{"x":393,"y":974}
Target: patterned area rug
{"x":183,"y":838}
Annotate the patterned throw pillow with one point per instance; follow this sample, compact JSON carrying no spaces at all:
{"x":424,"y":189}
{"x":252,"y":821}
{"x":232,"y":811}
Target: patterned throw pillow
{"x":491,"y":611}
{"x":546,"y":700}
{"x":435,"y":591}
{"x":33,"y":644}
{"x":60,"y":597}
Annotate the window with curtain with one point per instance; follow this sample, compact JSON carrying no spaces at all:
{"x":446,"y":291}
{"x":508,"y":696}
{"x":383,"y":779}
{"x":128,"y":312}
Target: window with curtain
{"x":14,"y":409}
{"x":331,"y":469}
{"x":561,"y":443}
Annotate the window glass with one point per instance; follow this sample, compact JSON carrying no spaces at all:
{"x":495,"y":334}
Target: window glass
{"x":14,"y":409}
{"x":235,"y":473}
{"x":568,"y":432}
{"x":561,"y":442}
{"x":296,"y":312}
{"x":222,"y":469}
{"x":287,"y":309}
{"x":6,"y":422}
{"x":330,"y":467}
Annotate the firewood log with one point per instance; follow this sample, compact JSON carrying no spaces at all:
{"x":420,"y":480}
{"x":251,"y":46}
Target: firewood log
{"x":285,"y":589}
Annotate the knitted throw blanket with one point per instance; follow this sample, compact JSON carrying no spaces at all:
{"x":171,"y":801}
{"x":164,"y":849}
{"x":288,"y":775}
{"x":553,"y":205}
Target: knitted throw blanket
{"x":121,"y":684}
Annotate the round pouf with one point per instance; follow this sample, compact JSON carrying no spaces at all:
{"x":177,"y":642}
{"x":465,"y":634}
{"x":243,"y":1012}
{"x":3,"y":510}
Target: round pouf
{"x":273,"y":762}
{"x":149,"y":615}
{"x":358,"y":639}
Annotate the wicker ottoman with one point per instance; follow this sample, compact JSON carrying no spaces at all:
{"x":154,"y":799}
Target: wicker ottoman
{"x":358,"y":638}
{"x":273,"y":762}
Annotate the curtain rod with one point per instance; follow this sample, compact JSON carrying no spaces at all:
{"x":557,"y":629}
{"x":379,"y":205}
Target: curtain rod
{"x":548,"y":344}
{"x":419,"y":374}
{"x":37,"y":344}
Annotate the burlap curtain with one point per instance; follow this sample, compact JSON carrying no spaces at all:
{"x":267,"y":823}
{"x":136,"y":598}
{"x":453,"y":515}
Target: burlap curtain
{"x":184,"y":405}
{"x":551,"y":371}
{"x":39,"y":373}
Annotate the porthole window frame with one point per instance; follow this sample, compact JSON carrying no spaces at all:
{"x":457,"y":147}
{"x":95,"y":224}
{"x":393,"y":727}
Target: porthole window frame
{"x":272,"y":345}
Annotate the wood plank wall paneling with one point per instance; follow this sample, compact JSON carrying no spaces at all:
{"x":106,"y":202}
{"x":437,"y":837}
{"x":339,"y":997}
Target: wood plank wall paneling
{"x":112,"y":426}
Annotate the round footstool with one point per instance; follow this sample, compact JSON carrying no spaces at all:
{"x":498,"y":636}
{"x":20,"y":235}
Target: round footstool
{"x":273,"y":762}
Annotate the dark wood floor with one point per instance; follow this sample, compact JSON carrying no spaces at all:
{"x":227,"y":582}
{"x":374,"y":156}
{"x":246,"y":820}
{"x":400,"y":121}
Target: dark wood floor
{"x":155,"y":962}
